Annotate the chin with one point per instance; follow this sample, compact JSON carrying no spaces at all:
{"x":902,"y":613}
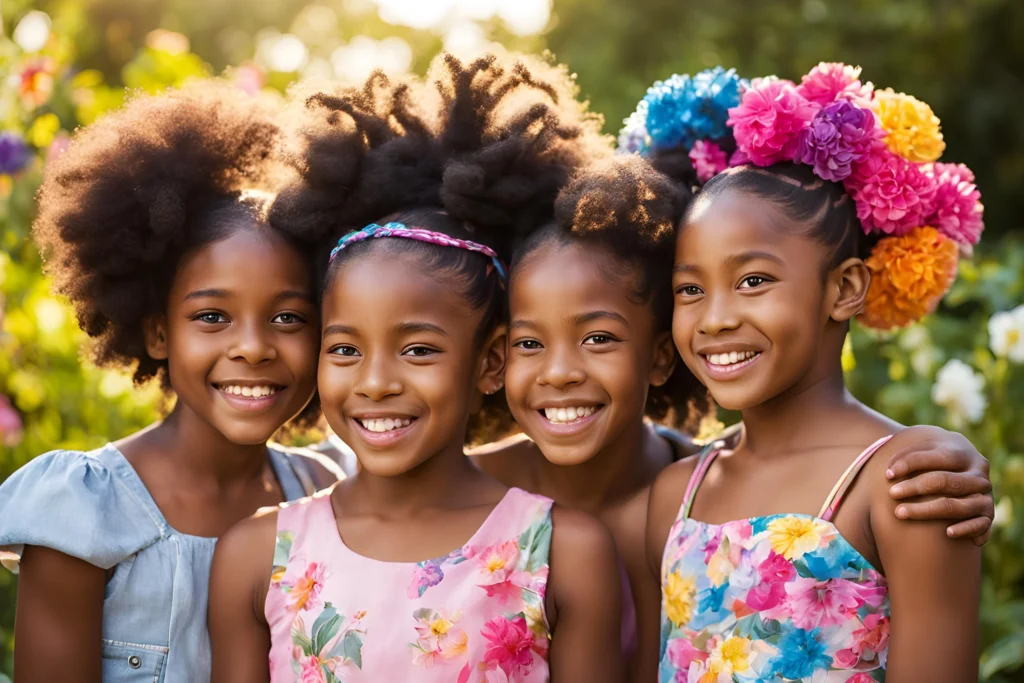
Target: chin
{"x":567,"y":456}
{"x":246,"y":435}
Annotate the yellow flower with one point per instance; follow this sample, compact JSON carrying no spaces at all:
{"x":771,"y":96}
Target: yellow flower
{"x":911,"y":126}
{"x":678,"y":597}
{"x":731,"y":656}
{"x":793,"y":536}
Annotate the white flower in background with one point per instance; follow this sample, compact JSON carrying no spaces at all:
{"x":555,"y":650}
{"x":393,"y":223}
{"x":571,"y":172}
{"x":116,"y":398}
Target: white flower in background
{"x":923,"y":359}
{"x":958,"y":388}
{"x":1006,"y":334}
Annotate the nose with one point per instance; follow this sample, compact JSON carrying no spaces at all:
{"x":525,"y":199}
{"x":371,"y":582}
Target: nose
{"x":375,"y":381}
{"x":252,"y":343}
{"x":718,"y":315}
{"x":561,"y":368}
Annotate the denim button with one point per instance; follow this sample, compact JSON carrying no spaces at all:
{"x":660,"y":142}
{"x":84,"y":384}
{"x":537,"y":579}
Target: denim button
{"x":134,"y":662}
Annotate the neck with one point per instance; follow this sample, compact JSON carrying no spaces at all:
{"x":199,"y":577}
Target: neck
{"x":434,"y":483}
{"x":780,"y":424}
{"x":201,"y":454}
{"x":626,"y":465}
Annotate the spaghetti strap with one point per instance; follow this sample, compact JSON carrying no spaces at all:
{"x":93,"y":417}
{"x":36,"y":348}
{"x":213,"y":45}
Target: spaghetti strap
{"x":704,"y":460}
{"x":835,"y":497}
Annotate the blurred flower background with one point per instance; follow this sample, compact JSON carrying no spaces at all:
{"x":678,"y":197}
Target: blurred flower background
{"x":63,"y":63}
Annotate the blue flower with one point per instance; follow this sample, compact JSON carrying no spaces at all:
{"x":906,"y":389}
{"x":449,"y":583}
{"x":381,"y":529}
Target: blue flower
{"x":633,"y":137}
{"x":14,"y":153}
{"x":801,"y":653}
{"x":682,"y":110}
{"x":831,"y":561}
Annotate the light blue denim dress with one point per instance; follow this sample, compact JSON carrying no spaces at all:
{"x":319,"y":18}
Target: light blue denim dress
{"x":94,"y":506}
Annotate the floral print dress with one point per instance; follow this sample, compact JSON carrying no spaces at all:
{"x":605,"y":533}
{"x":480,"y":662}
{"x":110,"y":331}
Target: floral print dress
{"x":475,"y":615}
{"x":776,"y":598}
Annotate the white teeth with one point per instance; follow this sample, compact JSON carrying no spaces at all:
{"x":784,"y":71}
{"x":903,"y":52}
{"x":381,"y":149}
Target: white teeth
{"x":249,"y":392}
{"x":385,"y":424}
{"x":563,"y":415}
{"x":731,"y":358}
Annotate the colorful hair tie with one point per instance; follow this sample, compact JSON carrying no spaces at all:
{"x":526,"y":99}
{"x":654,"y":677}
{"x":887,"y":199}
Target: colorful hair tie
{"x":420,"y":235}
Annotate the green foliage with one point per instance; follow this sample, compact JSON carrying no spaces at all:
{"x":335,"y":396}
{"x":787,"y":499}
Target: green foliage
{"x":963,"y":58}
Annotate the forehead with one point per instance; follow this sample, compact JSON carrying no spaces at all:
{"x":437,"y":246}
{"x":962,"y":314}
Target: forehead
{"x":734,"y":222}
{"x":572,"y":277}
{"x":247,"y":260}
{"x":384,"y":287}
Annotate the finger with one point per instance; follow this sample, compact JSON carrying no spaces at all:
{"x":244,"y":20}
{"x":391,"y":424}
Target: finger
{"x":953,"y":484}
{"x":983,"y":539}
{"x":972,"y":506}
{"x":973,"y":528}
{"x":925,"y":456}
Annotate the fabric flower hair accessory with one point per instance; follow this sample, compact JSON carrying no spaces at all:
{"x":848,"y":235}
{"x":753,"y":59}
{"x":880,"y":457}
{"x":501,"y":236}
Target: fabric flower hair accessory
{"x":883,"y":146}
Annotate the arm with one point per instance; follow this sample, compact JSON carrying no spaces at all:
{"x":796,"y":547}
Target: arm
{"x":947,"y":466}
{"x":586,"y":589}
{"x":239,"y":580}
{"x":934,"y":586}
{"x":665,"y":499}
{"x":60,"y":601}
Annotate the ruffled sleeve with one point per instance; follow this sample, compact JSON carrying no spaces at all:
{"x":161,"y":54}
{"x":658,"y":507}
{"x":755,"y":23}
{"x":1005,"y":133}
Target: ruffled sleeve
{"x":76,"y":503}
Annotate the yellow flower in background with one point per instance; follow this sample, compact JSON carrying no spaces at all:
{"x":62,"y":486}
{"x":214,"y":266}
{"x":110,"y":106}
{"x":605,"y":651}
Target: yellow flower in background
{"x":43,"y":130}
{"x":678,"y":596}
{"x":730,"y":657}
{"x":794,"y":536}
{"x":912,"y":127}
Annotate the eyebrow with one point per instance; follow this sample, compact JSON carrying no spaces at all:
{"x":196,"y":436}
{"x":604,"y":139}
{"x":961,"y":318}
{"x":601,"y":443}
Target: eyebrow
{"x":419,"y":326}
{"x":591,"y":316}
{"x":733,"y":261}
{"x":338,"y":329}
{"x":223,"y":294}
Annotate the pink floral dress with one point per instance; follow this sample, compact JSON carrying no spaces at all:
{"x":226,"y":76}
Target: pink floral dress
{"x":475,"y":615}
{"x":776,"y":598}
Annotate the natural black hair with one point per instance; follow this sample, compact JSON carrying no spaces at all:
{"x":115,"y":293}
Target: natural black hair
{"x":478,"y":150}
{"x":811,"y":206}
{"x":627,"y":212}
{"x":138,"y":190}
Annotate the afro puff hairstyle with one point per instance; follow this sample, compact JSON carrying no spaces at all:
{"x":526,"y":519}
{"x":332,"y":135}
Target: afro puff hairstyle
{"x":478,"y":150}
{"x":137,"y":190}
{"x":628,"y":212}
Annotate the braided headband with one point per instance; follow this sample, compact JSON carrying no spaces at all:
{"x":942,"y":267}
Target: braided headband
{"x":420,"y":235}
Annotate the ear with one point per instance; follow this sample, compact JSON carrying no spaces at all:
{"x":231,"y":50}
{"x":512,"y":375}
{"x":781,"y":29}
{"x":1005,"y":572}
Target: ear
{"x":848,"y":288}
{"x":491,"y":370}
{"x":154,"y":329}
{"x":665,"y":359}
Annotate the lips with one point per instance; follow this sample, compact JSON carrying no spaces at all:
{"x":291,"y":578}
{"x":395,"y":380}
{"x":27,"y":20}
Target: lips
{"x":249,"y":395}
{"x":383,"y":429}
{"x":568,"y":420}
{"x":728,"y":364}
{"x":568,"y":414}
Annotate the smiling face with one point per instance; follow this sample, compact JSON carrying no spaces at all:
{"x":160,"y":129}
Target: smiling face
{"x":400,"y":362}
{"x":753,"y":309}
{"x":582,"y":352}
{"x":240,"y":335}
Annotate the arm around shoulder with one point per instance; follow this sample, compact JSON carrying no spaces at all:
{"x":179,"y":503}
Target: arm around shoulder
{"x":934,"y":590}
{"x":586,"y":587}
{"x":239,"y":580}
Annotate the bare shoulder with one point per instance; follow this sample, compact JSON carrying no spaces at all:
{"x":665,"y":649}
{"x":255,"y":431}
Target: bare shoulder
{"x":575,"y":532}
{"x":252,"y":533}
{"x":510,"y":460}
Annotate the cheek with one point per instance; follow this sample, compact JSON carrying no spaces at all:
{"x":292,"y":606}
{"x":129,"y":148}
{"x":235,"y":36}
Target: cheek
{"x":683,"y":326}
{"x":519,"y":375}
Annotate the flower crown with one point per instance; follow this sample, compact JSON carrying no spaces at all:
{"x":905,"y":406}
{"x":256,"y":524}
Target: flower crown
{"x":882,"y":145}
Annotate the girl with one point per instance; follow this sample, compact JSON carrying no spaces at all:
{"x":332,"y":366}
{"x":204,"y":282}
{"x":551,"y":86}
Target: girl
{"x":602,"y":348}
{"x":420,"y":567}
{"x":175,"y":273}
{"x":780,"y":557}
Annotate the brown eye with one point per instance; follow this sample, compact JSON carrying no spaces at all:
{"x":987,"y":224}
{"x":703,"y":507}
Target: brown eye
{"x":752,"y":281}
{"x":344,"y":350}
{"x":211,"y":318}
{"x":528,"y":345}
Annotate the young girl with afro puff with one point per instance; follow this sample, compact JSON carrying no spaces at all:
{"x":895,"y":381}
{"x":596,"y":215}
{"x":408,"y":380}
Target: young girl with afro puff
{"x":420,"y":567}
{"x":153,"y":225}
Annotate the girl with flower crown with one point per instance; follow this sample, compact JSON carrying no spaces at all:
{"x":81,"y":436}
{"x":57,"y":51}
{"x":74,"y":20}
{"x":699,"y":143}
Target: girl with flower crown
{"x":779,"y":556}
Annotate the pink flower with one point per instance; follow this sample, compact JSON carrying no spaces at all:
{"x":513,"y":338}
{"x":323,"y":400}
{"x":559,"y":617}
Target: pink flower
{"x":738,"y":158}
{"x":776,"y":568}
{"x":10,"y":423}
{"x":304,"y":591}
{"x":708,"y":160}
{"x":59,"y":145}
{"x":496,"y":562}
{"x":509,"y":644}
{"x":833,"y":80}
{"x":766,"y":596}
{"x":860,"y":678}
{"x":870,"y":643}
{"x":814,"y":603}
{"x":957,"y":210}
{"x":424,"y":577}
{"x":768,"y":120}
{"x":892,"y":194}
{"x":311,"y":671}
{"x":681,"y":652}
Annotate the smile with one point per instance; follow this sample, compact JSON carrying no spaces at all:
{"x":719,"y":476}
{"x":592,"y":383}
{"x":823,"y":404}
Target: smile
{"x":249,"y":391}
{"x":568,"y":415}
{"x":723,"y":366}
{"x":383,"y":431}
{"x":732,"y":358}
{"x":386,"y":424}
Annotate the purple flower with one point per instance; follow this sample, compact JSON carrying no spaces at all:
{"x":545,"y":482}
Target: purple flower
{"x":840,"y":135}
{"x":14,"y":153}
{"x":10,"y":423}
{"x":426,"y":575}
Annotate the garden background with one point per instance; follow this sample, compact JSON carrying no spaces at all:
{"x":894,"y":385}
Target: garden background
{"x":63,"y":63}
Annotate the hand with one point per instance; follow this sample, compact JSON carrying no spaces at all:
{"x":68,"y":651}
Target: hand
{"x":954,"y":474}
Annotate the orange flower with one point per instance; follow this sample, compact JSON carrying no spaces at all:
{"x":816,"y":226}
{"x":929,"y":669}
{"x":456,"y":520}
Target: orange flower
{"x":35,"y":84}
{"x":909,"y":276}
